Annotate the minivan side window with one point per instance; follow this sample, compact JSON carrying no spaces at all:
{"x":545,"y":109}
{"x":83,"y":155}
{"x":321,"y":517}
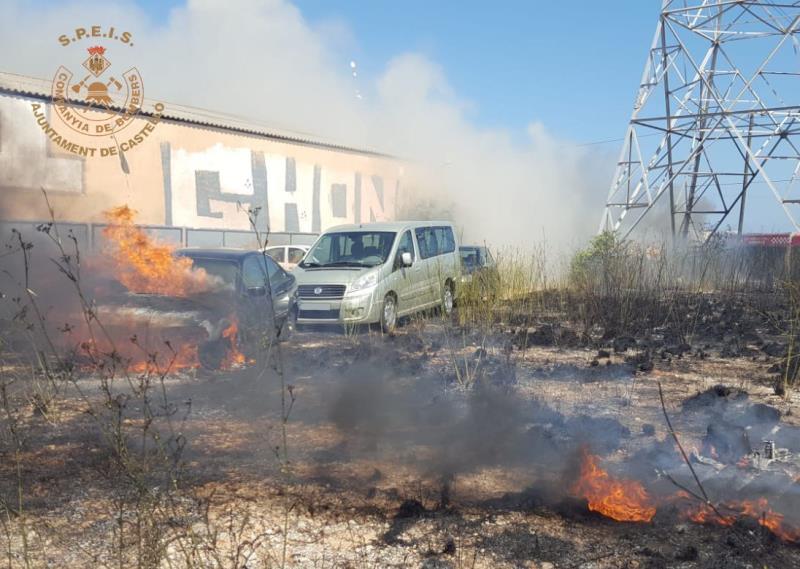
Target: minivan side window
{"x":422,"y":241}
{"x":434,"y":241}
{"x":445,"y":239}
{"x":406,"y":245}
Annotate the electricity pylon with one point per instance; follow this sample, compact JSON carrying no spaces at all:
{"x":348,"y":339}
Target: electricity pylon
{"x":715,"y":123}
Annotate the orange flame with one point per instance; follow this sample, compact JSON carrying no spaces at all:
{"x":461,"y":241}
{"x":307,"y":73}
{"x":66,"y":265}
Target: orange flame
{"x":233,"y":357}
{"x":183,"y":359}
{"x":137,"y":358}
{"x":759,"y":510}
{"x":768,"y":518}
{"x":621,"y":500}
{"x":704,"y":514}
{"x":627,"y":501}
{"x":143,"y":265}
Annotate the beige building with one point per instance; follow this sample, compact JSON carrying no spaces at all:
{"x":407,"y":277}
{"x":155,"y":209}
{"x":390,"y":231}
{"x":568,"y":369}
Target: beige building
{"x":186,"y":168}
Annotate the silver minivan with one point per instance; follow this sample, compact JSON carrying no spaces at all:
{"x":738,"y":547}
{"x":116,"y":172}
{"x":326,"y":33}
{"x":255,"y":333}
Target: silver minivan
{"x":377,"y":272}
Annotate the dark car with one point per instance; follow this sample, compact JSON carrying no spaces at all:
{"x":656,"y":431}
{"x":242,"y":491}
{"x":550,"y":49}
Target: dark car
{"x":478,"y":269}
{"x":242,"y":275}
{"x":476,"y":259}
{"x":226,"y":320}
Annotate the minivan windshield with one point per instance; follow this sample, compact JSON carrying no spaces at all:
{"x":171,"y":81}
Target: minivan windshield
{"x":350,"y":249}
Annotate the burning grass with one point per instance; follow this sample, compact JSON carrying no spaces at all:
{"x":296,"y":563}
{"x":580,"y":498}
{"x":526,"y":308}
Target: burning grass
{"x":621,"y":500}
{"x":451,"y":441}
{"x":758,"y":510}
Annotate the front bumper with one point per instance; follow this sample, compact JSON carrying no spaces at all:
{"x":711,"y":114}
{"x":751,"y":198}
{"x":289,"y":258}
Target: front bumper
{"x":362,"y":307}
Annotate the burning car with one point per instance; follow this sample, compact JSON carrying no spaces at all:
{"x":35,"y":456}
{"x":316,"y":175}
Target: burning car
{"x":221,"y":324}
{"x":261,"y":289}
{"x":255,"y":305}
{"x":211,"y":308}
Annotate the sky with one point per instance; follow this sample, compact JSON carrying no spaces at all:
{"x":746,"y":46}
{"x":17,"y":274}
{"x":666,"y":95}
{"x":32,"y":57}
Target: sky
{"x":521,"y":104}
{"x":573,"y":66}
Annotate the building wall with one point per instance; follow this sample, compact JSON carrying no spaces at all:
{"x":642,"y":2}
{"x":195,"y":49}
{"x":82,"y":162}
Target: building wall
{"x":190,"y":176}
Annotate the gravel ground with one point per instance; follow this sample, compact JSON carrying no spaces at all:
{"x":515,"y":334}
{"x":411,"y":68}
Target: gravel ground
{"x":393,"y":461}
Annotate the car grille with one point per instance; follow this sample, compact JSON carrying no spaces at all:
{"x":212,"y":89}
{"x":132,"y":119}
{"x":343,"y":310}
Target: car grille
{"x":325,"y":291}
{"x":318,"y":314}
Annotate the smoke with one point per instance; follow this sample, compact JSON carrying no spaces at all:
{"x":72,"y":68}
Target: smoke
{"x":389,"y":413}
{"x":263,"y":60}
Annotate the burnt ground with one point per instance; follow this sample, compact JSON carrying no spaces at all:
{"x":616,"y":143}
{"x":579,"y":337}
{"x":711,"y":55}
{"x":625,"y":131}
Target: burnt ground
{"x":393,"y":461}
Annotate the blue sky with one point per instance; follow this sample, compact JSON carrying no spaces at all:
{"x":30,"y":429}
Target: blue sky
{"x":574,"y":66}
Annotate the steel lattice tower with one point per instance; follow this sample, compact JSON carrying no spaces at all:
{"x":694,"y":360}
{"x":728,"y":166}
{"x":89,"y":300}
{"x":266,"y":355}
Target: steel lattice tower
{"x":715,"y":123}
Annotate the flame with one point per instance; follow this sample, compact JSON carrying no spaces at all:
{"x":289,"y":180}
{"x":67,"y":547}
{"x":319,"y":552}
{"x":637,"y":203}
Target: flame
{"x":233,"y":357}
{"x":704,"y":514}
{"x":153,"y":358}
{"x":759,"y":510}
{"x":768,"y":518}
{"x":621,"y":500}
{"x":143,"y":265}
{"x":184,"y":358}
{"x":626,"y":500}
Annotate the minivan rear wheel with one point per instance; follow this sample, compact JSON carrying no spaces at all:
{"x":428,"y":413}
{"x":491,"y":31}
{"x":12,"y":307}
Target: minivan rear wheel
{"x":389,"y":314}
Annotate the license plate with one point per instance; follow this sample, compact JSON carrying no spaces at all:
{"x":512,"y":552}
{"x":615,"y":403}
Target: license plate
{"x":315,"y":306}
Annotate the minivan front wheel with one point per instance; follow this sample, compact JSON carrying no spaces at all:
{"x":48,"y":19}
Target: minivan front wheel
{"x":389,"y":314}
{"x":447,"y":299}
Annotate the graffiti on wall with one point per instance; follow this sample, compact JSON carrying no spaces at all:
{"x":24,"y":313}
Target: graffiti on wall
{"x":209,"y":188}
{"x":206,"y":178}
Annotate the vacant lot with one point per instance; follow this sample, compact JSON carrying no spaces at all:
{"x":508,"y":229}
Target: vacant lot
{"x":438,"y":447}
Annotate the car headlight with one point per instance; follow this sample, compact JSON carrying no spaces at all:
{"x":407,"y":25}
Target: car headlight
{"x":365,"y":281}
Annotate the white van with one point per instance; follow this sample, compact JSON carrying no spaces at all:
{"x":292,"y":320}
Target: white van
{"x":377,"y":272}
{"x":287,"y":256}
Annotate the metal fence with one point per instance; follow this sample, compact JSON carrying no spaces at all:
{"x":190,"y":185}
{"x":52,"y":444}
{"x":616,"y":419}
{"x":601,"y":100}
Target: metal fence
{"x":89,"y":236}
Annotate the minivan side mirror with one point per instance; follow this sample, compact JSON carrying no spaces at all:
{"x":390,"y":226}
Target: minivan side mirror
{"x":405,"y":258}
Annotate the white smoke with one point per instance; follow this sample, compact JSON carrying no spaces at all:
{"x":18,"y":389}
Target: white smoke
{"x":261,"y":59}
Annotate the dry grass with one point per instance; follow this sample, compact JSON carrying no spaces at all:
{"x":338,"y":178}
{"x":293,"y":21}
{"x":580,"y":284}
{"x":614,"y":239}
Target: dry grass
{"x":109,"y":468}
